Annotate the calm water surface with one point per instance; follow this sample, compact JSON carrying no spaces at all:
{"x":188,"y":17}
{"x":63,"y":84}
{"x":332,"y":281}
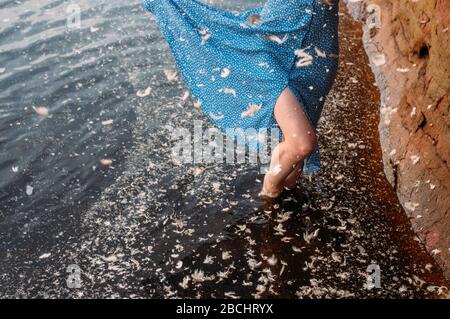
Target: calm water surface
{"x":87,"y":80}
{"x":91,"y":182}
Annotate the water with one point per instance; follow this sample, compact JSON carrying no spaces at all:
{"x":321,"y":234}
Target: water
{"x":82,"y":77}
{"x":145,"y":227}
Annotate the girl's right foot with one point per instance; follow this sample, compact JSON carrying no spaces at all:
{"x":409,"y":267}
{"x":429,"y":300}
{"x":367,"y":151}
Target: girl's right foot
{"x":269,"y":194}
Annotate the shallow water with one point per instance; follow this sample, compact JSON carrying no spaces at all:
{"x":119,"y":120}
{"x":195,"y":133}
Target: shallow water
{"x":146,"y":227}
{"x":83,"y":77}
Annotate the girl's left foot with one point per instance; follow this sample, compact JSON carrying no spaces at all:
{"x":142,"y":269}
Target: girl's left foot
{"x":291,"y":186}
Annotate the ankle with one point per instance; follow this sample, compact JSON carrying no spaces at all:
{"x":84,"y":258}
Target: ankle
{"x":271,"y":190}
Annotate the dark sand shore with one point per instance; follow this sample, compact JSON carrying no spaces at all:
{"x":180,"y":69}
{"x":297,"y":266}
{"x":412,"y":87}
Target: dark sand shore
{"x":165,"y":231}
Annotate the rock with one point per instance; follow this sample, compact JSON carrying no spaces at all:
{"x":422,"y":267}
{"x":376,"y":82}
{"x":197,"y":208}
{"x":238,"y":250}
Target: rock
{"x":414,"y":83}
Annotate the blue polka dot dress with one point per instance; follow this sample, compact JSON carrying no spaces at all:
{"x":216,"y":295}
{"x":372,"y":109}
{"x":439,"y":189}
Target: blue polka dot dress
{"x":236,"y":64}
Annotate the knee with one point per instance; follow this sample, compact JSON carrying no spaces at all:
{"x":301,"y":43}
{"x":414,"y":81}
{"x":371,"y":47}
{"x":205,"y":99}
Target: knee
{"x":303,"y":148}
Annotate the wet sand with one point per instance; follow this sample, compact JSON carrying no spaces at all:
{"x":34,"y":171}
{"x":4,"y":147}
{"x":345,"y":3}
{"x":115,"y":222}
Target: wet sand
{"x":198,"y":231}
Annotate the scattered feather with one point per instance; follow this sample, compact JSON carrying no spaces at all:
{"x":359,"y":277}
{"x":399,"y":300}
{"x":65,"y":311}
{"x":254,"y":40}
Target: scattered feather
{"x":226,"y":255}
{"x":171,"y":75}
{"x":228,"y":91}
{"x":225,"y":72}
{"x":251,"y":110}
{"x":144,"y":93}
{"x":106,"y":162}
{"x":277,"y":39}
{"x":41,"y":110}
{"x":309,"y":236}
{"x":320,"y":53}
{"x":29,"y":190}
{"x":304,"y":59}
{"x":254,"y":19}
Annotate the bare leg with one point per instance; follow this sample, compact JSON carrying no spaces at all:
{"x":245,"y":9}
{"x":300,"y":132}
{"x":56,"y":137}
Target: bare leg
{"x":300,"y":141}
{"x":291,"y":181}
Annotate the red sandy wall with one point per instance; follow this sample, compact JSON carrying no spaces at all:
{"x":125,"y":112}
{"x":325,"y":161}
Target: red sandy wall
{"x":408,"y":43}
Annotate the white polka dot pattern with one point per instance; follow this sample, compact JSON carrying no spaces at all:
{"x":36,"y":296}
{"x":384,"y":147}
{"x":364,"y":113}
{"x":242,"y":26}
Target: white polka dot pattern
{"x":236,"y":64}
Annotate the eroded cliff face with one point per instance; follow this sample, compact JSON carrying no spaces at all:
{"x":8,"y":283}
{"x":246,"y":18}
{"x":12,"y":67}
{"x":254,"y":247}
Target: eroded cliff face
{"x":408,"y":44}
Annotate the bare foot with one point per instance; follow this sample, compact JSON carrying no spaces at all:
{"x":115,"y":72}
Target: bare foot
{"x":267,"y":196}
{"x":270,"y":192}
{"x":290,"y":185}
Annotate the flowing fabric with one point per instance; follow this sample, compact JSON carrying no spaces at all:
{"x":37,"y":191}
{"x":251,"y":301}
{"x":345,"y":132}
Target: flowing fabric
{"x":236,"y":64}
